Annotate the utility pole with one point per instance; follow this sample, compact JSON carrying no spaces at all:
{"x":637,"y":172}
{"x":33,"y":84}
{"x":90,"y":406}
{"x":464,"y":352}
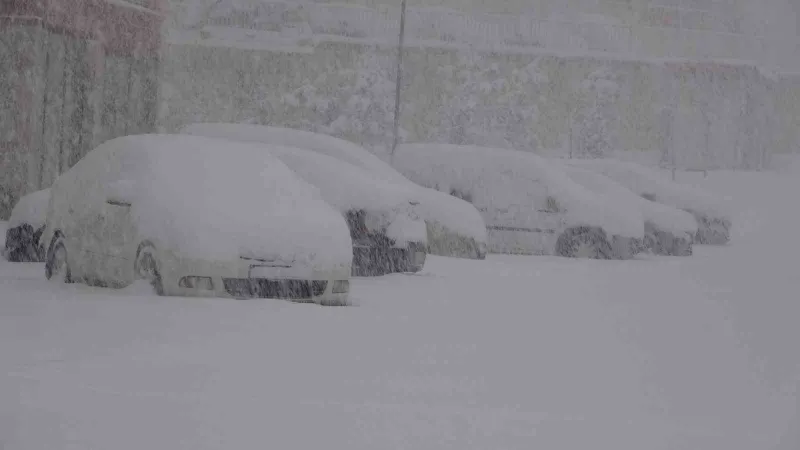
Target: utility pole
{"x":396,"y":136}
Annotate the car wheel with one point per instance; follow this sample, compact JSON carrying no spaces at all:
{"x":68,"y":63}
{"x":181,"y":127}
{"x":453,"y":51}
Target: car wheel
{"x":56,"y":267}
{"x":584,"y":242}
{"x":146,"y":268}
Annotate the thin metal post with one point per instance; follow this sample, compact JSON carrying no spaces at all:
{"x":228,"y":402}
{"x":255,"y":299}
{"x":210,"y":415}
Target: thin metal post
{"x":396,"y":136}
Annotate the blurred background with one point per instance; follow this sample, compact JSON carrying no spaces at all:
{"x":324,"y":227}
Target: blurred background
{"x":693,"y":84}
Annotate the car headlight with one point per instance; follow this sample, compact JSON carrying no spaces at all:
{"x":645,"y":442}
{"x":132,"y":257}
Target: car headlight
{"x":197,"y":283}
{"x":341,"y":286}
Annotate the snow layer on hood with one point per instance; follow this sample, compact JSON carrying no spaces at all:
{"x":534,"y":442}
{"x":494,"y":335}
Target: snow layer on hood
{"x":347,"y":187}
{"x":512,"y":185}
{"x":645,"y":181}
{"x":31,"y":209}
{"x":214,"y":199}
{"x":455,"y":214}
{"x":664,"y":217}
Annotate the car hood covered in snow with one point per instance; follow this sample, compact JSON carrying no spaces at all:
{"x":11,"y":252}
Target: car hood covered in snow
{"x":514,"y":181}
{"x":31,"y":209}
{"x":214,"y":199}
{"x":664,"y":217}
{"x":454,"y":214}
{"x":390,"y":207}
{"x":647,"y":182}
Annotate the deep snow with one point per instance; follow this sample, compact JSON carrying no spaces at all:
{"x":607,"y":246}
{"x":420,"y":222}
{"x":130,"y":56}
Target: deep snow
{"x":507,"y":353}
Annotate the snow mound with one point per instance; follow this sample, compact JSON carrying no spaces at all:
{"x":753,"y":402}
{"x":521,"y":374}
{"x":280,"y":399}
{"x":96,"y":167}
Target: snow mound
{"x":509,"y":186}
{"x":220,"y":200}
{"x":454,"y":214}
{"x":347,"y":187}
{"x":666,"y":218}
{"x":31,"y":209}
{"x":647,"y":182}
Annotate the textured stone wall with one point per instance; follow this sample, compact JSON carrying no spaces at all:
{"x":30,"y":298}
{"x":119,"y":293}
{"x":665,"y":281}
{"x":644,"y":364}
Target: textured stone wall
{"x":696,"y":115}
{"x":62,"y":96}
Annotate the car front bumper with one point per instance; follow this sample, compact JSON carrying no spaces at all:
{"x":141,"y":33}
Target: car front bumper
{"x":625,"y":247}
{"x":253,"y":279}
{"x":665,"y":243}
{"x":370,"y":261}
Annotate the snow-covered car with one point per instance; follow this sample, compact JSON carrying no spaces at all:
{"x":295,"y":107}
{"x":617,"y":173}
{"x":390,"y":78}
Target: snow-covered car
{"x":195,"y":217}
{"x":25,"y":227}
{"x":711,"y":212}
{"x":388,"y":235}
{"x":455,"y":228}
{"x":529,"y":204}
{"x":668,"y":231}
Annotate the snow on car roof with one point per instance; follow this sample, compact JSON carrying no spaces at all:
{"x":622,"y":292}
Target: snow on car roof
{"x":505,"y":178}
{"x":665,"y":217}
{"x":645,"y":181}
{"x":31,"y":209}
{"x":221,"y":199}
{"x":318,"y":142}
{"x":450,"y":212}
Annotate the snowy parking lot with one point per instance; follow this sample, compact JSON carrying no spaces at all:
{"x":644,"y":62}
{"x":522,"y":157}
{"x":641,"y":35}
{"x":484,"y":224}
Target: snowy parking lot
{"x":509,"y":353}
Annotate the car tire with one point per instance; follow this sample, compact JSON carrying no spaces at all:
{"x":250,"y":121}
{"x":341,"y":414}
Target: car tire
{"x":146,"y":267}
{"x":56,"y":267}
{"x":584,"y":242}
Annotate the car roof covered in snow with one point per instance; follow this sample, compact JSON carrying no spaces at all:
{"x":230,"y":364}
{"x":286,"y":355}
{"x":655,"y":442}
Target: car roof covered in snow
{"x":503,"y":178}
{"x":317,"y":142}
{"x":646,"y":181}
{"x":455,"y":214}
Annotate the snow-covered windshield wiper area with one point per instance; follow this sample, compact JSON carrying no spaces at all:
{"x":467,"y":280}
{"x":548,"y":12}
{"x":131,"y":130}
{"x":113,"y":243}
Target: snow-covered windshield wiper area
{"x":269,"y":262}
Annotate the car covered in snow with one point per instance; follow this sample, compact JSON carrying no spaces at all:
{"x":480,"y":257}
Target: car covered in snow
{"x":455,"y":228}
{"x":388,"y":235}
{"x":668,"y":231}
{"x":25,"y":228}
{"x":195,"y":217}
{"x":711,"y":212}
{"x":529,"y":204}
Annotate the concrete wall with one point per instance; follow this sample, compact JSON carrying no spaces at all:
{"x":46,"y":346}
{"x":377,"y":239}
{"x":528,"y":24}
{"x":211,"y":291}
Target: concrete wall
{"x":717,"y":115}
{"x":62,"y":95}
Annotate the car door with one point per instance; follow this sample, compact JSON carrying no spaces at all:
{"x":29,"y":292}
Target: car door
{"x":118,"y":240}
{"x":87,"y":220}
{"x":91,"y":212}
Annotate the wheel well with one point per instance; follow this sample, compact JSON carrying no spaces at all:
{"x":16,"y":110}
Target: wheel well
{"x":142,"y":245}
{"x":56,"y":234}
{"x":585,"y":229}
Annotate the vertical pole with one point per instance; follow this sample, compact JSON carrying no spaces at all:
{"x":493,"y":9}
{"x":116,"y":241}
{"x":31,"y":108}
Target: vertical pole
{"x":569,"y":133}
{"x":396,"y":136}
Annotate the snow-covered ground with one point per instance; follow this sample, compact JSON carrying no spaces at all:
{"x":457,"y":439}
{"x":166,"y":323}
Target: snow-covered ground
{"x":508,"y":353}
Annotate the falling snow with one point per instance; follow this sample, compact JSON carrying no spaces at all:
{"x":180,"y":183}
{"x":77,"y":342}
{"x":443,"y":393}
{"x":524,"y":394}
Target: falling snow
{"x":570,"y":224}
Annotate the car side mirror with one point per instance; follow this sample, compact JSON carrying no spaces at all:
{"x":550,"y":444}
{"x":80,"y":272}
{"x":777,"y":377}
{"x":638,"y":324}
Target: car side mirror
{"x":120,"y":193}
